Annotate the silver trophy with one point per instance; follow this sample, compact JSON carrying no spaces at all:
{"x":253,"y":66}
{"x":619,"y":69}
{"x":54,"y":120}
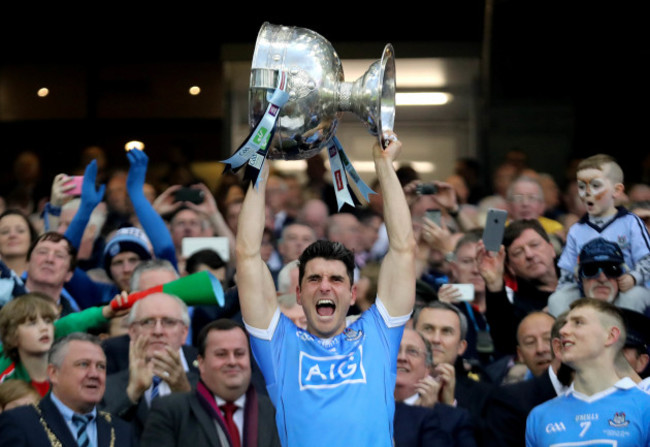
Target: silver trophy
{"x":317,"y":92}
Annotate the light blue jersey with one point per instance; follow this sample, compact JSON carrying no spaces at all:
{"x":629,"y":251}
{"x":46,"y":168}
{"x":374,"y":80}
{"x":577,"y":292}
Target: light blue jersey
{"x":626,"y":229}
{"x":332,"y":392}
{"x":616,"y":417}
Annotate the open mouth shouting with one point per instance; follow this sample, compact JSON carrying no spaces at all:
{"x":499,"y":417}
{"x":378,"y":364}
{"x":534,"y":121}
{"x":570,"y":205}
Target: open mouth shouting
{"x":325,"y":308}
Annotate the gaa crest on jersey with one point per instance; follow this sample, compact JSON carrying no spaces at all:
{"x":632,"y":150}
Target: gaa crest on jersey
{"x":623,"y":242}
{"x":331,"y":371}
{"x":352,"y":335}
{"x":618,"y":420}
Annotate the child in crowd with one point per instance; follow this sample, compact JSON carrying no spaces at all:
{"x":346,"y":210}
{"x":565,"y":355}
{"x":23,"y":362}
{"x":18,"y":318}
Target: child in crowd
{"x":600,"y":184}
{"x":29,"y":326}
{"x":14,"y":393}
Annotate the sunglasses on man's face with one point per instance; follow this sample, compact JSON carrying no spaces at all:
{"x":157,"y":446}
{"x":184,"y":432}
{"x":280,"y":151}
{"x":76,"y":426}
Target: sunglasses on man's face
{"x":593,"y":270}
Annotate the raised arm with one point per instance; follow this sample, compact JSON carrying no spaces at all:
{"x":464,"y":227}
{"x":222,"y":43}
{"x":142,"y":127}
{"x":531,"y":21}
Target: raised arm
{"x":90,"y":198}
{"x":257,"y":296}
{"x":396,"y":286}
{"x":209,"y":209}
{"x":151,"y":222}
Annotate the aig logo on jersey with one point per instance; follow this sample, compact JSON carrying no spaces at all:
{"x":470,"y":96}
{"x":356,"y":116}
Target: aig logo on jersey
{"x":331,"y":371}
{"x":555,"y":427}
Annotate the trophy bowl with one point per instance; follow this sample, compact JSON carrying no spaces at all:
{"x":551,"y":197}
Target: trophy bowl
{"x":317,"y":92}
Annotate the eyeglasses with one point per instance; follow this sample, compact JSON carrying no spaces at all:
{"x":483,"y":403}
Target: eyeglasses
{"x":593,"y":270}
{"x":521,"y":198}
{"x":412,"y":352}
{"x":166,"y":323}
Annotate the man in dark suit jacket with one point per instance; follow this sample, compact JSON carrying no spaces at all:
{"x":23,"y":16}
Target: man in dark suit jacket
{"x":201,"y":417}
{"x":117,"y":354}
{"x":508,"y":405}
{"x":440,"y":426}
{"x":77,"y":373}
{"x":421,"y":419}
{"x":158,"y":326}
{"x":444,"y":326}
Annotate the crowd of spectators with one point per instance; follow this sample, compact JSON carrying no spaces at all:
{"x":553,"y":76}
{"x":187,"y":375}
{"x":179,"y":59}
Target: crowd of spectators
{"x":470,"y":368}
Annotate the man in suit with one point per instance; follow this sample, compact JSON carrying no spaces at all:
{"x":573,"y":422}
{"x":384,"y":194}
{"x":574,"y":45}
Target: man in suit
{"x":421,"y":419}
{"x":147,"y":274}
{"x":68,"y":416}
{"x":445,"y":327}
{"x":534,"y":342}
{"x":509,"y":405}
{"x":224,"y":410}
{"x":158,"y":326}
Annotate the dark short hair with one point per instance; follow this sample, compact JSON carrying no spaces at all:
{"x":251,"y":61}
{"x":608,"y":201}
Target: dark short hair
{"x":206,"y":256}
{"x":222,"y":324}
{"x":331,"y":251}
{"x":441,"y":305}
{"x":55,"y":237}
{"x":516,"y":228}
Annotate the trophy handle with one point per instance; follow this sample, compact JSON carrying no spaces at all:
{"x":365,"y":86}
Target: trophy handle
{"x":386,"y":119}
{"x":372,"y":96}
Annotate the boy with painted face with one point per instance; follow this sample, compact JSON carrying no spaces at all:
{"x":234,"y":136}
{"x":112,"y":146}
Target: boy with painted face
{"x":600,"y":184}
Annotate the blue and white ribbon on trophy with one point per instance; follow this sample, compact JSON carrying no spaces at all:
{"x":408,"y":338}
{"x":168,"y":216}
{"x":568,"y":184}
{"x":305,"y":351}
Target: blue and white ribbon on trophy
{"x":254,"y":150}
{"x":339,"y":165}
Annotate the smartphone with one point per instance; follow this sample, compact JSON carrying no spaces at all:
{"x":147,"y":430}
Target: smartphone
{"x":467,"y":291}
{"x":495,"y":225}
{"x":434,"y":215}
{"x":191,"y":245}
{"x":426,"y":189}
{"x":192,"y":195}
{"x":77,"y":181}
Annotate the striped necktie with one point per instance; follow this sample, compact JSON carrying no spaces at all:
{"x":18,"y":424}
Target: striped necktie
{"x":81,"y":423}
{"x":155,"y":390}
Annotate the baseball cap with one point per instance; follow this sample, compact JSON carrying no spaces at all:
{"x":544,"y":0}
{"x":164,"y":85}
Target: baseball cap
{"x":600,"y":250}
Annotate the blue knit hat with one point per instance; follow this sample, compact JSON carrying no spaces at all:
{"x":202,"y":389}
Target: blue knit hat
{"x":126,"y":239}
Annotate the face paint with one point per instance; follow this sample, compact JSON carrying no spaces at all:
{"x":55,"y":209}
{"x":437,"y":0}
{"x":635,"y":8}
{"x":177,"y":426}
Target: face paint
{"x":593,"y":187}
{"x":596,"y":191}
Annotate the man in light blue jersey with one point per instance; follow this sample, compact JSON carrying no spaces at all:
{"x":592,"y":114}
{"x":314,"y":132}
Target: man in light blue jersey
{"x":331,"y":384}
{"x":599,"y":408}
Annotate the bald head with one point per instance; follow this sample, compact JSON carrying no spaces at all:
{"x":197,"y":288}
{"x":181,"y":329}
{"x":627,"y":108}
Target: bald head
{"x":315,"y":213}
{"x":346,"y":229}
{"x":534,"y":341}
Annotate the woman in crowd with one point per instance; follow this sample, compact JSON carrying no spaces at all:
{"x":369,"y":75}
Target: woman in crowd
{"x":16,"y":236}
